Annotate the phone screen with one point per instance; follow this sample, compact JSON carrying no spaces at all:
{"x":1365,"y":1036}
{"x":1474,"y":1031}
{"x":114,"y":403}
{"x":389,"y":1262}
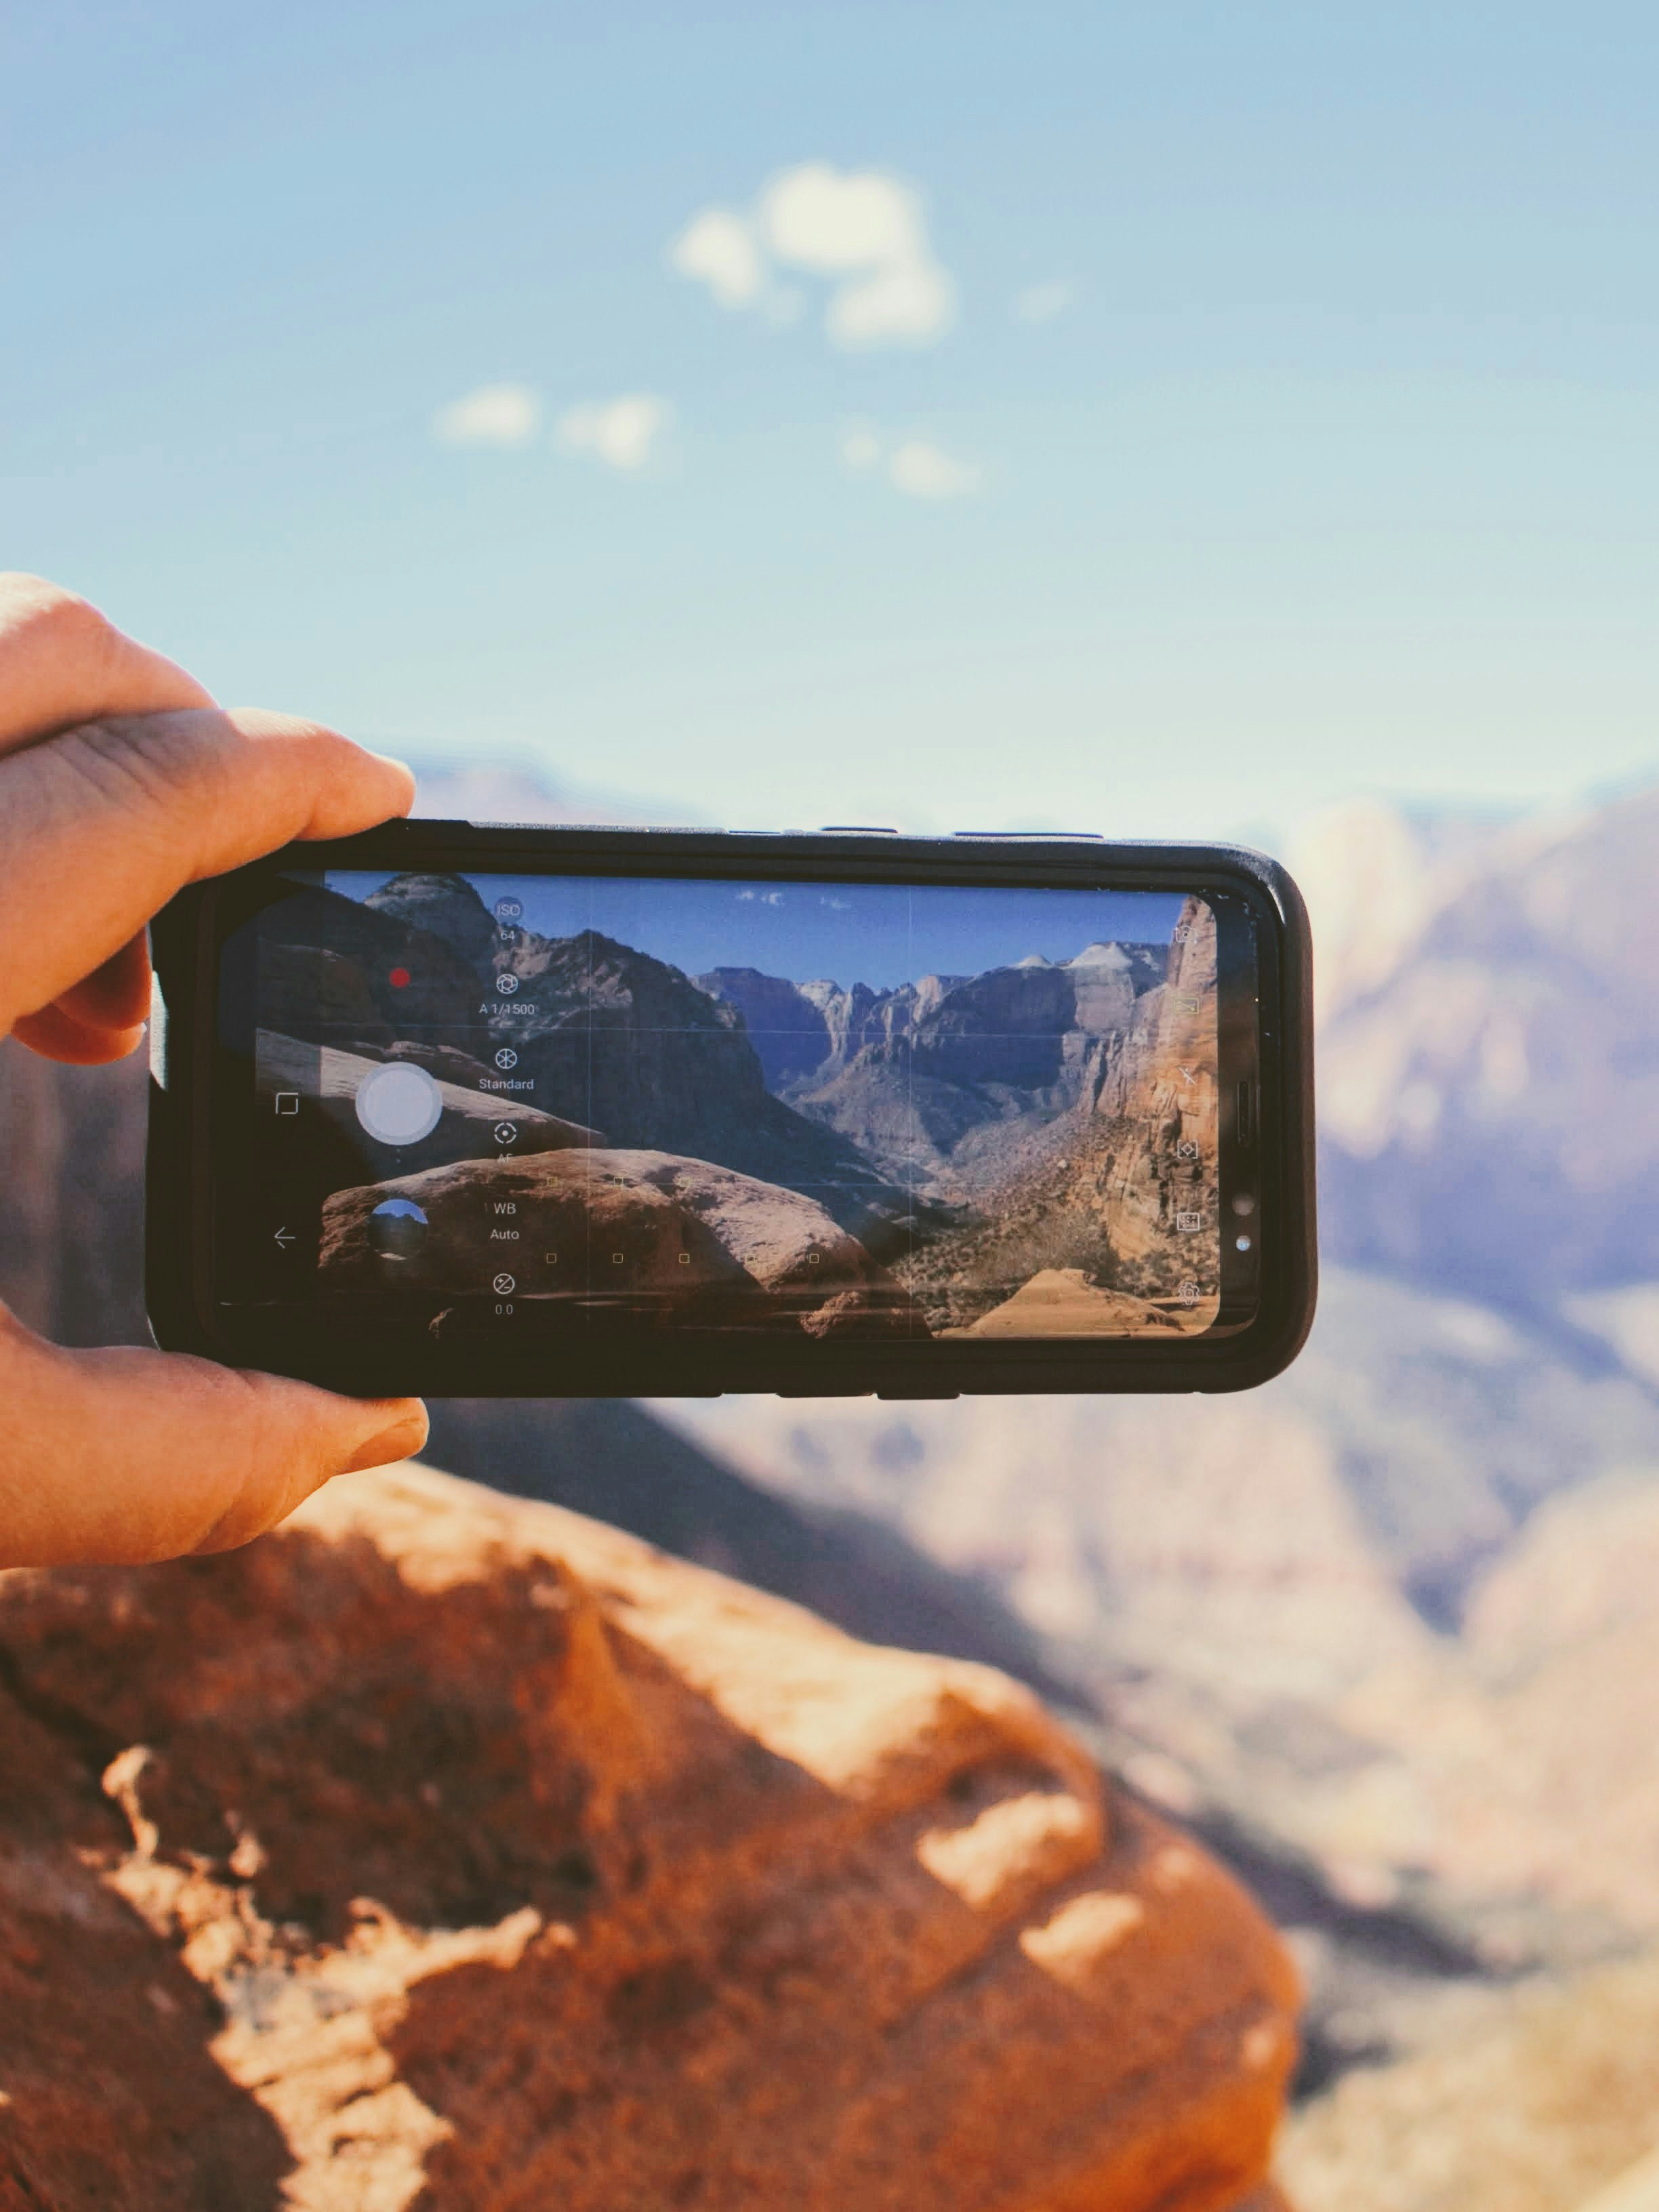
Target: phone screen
{"x":864,"y":1109}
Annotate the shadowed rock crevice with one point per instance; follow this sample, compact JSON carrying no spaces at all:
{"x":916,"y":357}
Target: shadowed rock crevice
{"x":113,"y":2098}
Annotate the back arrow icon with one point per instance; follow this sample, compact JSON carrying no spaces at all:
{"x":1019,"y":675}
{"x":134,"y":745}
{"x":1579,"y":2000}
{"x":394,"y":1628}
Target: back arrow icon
{"x":285,"y":1237}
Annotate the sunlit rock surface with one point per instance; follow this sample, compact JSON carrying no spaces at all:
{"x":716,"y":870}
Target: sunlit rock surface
{"x":450,"y":1850}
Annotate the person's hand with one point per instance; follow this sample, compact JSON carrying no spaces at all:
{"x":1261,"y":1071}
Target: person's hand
{"x":120,"y":781}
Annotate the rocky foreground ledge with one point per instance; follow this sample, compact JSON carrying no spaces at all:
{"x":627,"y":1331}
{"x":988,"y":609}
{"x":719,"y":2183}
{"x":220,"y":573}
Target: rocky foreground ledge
{"x":444,"y":1850}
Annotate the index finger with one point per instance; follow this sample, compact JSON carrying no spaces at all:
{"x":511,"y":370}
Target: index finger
{"x":99,"y":826}
{"x":61,"y":663}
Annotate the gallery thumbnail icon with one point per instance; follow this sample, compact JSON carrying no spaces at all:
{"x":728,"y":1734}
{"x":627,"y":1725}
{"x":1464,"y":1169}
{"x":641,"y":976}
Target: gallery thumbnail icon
{"x":397,"y":1228}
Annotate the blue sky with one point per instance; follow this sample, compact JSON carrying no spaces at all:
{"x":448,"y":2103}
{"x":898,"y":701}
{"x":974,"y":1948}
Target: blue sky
{"x":880,"y":934}
{"x":1285,"y":426}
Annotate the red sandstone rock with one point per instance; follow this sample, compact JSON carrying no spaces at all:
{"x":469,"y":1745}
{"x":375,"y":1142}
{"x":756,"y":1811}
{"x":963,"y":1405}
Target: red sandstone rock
{"x":703,"y":1242}
{"x":447,"y":1851}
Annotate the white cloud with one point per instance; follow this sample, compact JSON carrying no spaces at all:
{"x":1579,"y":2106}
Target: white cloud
{"x":493,"y":415}
{"x":1041,"y":303}
{"x":915,"y":303}
{"x":863,"y":230}
{"x":913,"y":466}
{"x":718,"y":249}
{"x":833,"y":220}
{"x":621,"y":431}
{"x":925,"y":472}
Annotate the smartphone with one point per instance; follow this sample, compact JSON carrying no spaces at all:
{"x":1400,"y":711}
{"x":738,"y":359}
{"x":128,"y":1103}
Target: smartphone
{"x":461,"y":1109}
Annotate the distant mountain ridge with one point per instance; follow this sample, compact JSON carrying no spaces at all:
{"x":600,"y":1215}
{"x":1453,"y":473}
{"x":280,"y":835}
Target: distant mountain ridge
{"x":447,"y":905}
{"x":908,"y":1073}
{"x":1490,"y":1063}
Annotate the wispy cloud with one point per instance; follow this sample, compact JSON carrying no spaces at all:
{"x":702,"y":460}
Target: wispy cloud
{"x":926,"y":472}
{"x":914,"y":465}
{"x":493,"y":415}
{"x":1041,"y":303}
{"x":720,"y":249}
{"x":863,"y":232}
{"x":621,"y":432}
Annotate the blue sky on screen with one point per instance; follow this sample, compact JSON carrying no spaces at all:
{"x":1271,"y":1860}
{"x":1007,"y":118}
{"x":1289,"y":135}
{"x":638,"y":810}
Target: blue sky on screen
{"x":879,"y":934}
{"x":1152,"y":419}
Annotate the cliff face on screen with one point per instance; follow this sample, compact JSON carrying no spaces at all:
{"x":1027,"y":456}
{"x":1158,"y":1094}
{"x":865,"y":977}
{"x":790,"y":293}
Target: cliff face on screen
{"x":1106,"y":1210}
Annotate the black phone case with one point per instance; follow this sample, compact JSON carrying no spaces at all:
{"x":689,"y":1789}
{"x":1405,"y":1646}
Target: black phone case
{"x":179,"y":1195}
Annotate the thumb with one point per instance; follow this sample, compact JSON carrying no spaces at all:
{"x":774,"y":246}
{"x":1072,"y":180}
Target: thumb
{"x":127,"y":1456}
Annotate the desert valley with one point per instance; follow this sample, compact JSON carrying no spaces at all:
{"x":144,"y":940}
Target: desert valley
{"x":1005,"y":1152}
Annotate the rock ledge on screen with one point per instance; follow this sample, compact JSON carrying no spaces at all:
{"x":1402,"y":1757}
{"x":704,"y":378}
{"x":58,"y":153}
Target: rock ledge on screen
{"x":326,"y":1080}
{"x":701,"y":1239}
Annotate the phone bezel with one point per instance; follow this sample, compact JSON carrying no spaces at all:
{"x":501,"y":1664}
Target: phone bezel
{"x":360,"y":1346}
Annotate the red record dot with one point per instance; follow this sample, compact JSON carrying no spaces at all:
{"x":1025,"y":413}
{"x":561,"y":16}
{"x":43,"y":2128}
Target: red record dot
{"x":399,"y":979}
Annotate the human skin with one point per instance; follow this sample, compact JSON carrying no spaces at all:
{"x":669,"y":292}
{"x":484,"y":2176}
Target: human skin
{"x":121,"y":782}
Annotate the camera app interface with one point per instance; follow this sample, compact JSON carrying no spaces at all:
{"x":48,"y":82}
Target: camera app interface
{"x":835,"y":1109}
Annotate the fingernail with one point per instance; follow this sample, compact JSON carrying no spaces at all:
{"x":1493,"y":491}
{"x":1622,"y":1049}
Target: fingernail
{"x":399,"y":1439}
{"x":410,"y":780}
